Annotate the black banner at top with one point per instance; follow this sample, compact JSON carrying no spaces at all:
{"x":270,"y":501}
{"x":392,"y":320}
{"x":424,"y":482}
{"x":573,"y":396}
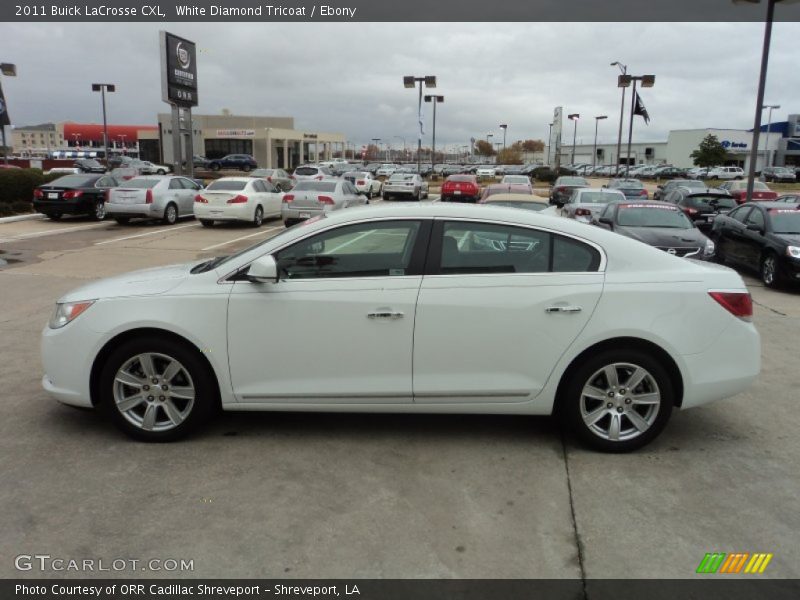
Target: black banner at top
{"x":392,"y":11}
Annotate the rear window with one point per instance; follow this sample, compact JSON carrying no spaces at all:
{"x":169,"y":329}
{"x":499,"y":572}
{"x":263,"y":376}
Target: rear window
{"x":141,"y":183}
{"x":315,"y":186}
{"x":709,"y":201}
{"x":461,"y":178}
{"x":599,"y":197}
{"x":630,"y":185}
{"x":222,"y":185}
{"x":355,"y":174}
{"x":401,"y":177}
{"x":573,"y":181}
{"x":306,"y":171}
{"x":262,"y":173}
{"x":761,"y":187}
{"x":73,"y":181}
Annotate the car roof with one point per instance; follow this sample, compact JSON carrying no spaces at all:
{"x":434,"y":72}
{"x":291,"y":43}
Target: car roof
{"x":511,"y":197}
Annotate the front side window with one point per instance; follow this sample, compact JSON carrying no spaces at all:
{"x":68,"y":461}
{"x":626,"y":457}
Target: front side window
{"x":740,"y":213}
{"x":376,"y":249}
{"x":756,"y":218}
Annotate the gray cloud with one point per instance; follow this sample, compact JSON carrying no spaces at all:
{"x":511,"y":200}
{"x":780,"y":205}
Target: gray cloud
{"x":347,"y":77}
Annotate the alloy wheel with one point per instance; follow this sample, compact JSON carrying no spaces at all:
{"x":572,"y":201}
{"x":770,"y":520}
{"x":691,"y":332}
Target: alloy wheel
{"x":768,"y":270}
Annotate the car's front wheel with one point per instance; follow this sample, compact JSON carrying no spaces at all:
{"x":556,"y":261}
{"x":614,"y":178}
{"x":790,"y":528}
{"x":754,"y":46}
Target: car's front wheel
{"x":161,"y":172}
{"x":99,"y":212}
{"x":769,"y":270}
{"x":206,"y":222}
{"x":618,"y":401}
{"x":258,"y":217}
{"x":156,"y":389}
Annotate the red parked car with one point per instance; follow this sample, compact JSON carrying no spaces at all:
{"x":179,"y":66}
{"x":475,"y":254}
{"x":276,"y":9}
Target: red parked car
{"x":738,"y":189}
{"x":460,"y":188}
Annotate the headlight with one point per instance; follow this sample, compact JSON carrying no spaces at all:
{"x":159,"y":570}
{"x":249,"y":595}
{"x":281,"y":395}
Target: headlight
{"x":68,"y":311}
{"x":709,"y":248}
{"x":793,"y":251}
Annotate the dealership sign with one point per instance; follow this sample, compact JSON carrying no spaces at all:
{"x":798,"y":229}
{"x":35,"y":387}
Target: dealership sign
{"x":178,"y":70}
{"x":236,"y":133}
{"x":729,"y":144}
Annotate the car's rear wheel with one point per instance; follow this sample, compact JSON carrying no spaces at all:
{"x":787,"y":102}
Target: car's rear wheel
{"x":214,"y":166}
{"x":54,"y":216}
{"x":99,"y":212}
{"x":161,"y":172}
{"x":156,"y":389}
{"x":122,"y":220}
{"x":206,"y":222}
{"x":247,"y":168}
{"x":258,"y":217}
{"x":170,"y":214}
{"x":770,"y":276}
{"x":618,"y":401}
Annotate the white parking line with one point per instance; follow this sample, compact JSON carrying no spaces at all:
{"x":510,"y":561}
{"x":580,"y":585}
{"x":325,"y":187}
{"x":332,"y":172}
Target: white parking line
{"x":138,"y":235}
{"x":244,"y":237}
{"x":60,"y":230}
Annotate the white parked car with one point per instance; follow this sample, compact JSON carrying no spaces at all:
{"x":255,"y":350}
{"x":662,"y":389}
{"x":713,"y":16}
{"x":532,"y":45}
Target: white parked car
{"x":168,"y":198}
{"x":486,"y":171}
{"x":726,"y":173}
{"x":386,"y":170}
{"x":238,"y":199}
{"x":429,"y":308}
{"x":364,"y":182}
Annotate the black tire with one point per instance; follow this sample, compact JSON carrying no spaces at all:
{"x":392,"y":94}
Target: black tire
{"x":122,"y":220}
{"x":99,"y":212}
{"x":54,"y":216}
{"x":161,"y":172}
{"x":205,"y":399}
{"x":572,"y":399}
{"x":206,"y":222}
{"x":170,"y":214}
{"x":289,"y":222}
{"x":247,"y":168}
{"x":385,"y":196}
{"x":214,"y":166}
{"x":258,"y":217}
{"x":770,"y":271}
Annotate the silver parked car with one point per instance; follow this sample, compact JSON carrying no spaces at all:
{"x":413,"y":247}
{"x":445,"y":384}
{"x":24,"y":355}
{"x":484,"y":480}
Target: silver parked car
{"x":278,"y":177}
{"x":405,"y":185}
{"x":311,"y":173}
{"x":168,"y":197}
{"x":313,"y":198}
{"x":585,"y":204}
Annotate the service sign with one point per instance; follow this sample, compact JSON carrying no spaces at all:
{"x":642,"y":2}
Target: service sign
{"x":178,"y":70}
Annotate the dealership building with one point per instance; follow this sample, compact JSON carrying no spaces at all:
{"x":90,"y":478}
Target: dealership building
{"x":779,"y":145}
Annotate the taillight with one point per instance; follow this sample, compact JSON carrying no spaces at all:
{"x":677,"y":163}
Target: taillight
{"x":238,"y":199}
{"x":287,"y":198}
{"x":269,"y":179}
{"x":200,"y":200}
{"x":292,"y":177}
{"x":690,"y":211}
{"x":72,"y":194}
{"x":148,"y":197}
{"x":325,"y":200}
{"x":643,"y":193}
{"x":583,"y":212}
{"x":38,"y":194}
{"x":739,"y":304}
{"x":361,"y":182}
{"x":560,"y":189}
{"x":319,"y":178}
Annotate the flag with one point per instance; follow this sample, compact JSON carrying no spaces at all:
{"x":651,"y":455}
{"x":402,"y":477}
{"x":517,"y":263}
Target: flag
{"x":640,"y":109}
{"x":421,"y":117}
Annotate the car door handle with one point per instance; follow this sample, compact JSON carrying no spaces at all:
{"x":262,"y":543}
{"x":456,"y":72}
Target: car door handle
{"x":385,"y":314}
{"x":564,"y":309}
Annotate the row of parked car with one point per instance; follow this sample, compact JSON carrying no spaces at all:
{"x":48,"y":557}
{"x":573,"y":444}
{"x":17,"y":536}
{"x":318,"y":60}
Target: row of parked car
{"x":768,"y":174}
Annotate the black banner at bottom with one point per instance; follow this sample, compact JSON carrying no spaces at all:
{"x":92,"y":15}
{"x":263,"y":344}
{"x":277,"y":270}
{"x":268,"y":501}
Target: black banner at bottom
{"x":711,"y":588}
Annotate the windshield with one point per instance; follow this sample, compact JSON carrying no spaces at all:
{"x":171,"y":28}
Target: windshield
{"x":630,"y":184}
{"x":516,"y":179}
{"x":262,"y":173}
{"x":461,"y":178}
{"x":710,"y":201}
{"x":226,"y":185}
{"x":305,"y":171}
{"x":785,"y":220}
{"x":573,"y":181}
{"x":401,"y":177}
{"x":315,"y":186}
{"x":640,"y":215}
{"x":73,"y":181}
{"x":141,"y":183}
{"x":598,"y":198}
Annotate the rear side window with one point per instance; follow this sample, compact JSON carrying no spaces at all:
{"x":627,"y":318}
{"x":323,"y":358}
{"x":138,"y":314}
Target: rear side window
{"x":572,"y":256}
{"x":142,"y":183}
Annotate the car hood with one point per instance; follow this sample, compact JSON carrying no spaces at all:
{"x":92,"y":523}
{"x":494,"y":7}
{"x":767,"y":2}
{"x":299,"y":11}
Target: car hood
{"x":663,"y":236}
{"x":146,"y":282}
{"x":793,"y":239}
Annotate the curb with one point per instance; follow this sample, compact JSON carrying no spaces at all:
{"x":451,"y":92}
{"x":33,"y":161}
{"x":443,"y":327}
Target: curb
{"x":29,"y":217}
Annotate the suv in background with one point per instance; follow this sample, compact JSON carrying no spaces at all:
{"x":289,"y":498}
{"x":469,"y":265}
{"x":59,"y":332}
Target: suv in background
{"x":726,"y":173}
{"x":243,"y":162}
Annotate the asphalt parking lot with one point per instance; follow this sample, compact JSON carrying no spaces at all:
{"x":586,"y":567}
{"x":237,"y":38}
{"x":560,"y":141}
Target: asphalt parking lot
{"x":320,"y":495}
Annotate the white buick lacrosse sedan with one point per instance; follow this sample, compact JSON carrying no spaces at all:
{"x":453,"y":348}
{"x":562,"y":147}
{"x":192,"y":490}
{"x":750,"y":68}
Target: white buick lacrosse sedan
{"x":434,"y":308}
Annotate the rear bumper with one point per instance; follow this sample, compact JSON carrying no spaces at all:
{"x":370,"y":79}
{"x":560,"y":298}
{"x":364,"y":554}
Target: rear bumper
{"x":132,"y":210}
{"x":458,"y":198}
{"x":301,"y":214}
{"x":64,"y":207}
{"x":240,"y":212}
{"x":399,"y":191}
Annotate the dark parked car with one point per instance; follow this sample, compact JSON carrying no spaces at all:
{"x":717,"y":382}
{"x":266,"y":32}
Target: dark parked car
{"x":663,"y":190}
{"x":778,"y":174}
{"x":243,"y":162}
{"x":671,"y":173}
{"x":763,"y":236}
{"x":460,"y":188}
{"x":632,"y":188}
{"x":702,"y":206}
{"x":118,"y":160}
{"x":80,"y":194}
{"x":563,"y":188}
{"x":89,"y":165}
{"x":277,"y":177}
{"x":658,"y":224}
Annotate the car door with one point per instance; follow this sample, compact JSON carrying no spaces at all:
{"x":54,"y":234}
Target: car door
{"x":498,"y":306}
{"x":272,"y":199}
{"x":731,"y":234}
{"x":753,"y":240}
{"x":338,"y":327}
{"x":190,"y":189}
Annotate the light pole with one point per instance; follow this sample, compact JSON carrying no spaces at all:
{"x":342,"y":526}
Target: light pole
{"x":575,"y":117}
{"x":549,"y":143}
{"x":102,"y":88}
{"x":436,"y":100}
{"x":624,"y":81}
{"x":624,"y":69}
{"x":410,"y":81}
{"x":9,"y":70}
{"x":594,"y":152}
{"x":400,"y":137}
{"x":767,"y":161}
{"x":377,"y":142}
{"x":504,"y":127}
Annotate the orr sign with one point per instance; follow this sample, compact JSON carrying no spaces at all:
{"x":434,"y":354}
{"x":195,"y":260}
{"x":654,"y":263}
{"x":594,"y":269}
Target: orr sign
{"x":178,"y":70}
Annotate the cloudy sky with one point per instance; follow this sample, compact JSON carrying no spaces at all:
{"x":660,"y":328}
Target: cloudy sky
{"x":348,"y":77}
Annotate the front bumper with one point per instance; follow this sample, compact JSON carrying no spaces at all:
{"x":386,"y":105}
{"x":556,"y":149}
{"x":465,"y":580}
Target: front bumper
{"x":67,"y":356}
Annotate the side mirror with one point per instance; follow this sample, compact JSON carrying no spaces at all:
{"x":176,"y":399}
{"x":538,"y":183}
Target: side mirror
{"x":263,"y":270}
{"x":606,"y":221}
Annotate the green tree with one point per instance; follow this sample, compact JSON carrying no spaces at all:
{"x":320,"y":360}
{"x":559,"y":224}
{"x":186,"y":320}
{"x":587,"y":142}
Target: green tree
{"x":709,"y":153}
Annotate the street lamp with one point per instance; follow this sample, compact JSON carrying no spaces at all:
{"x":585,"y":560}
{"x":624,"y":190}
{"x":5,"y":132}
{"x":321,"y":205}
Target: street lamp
{"x":410,"y":81}
{"x":596,"y":123}
{"x":549,"y":143}
{"x":575,"y":117}
{"x":624,"y":69}
{"x":436,"y":100}
{"x":624,"y":81}
{"x":767,"y":161}
{"x":9,"y":70}
{"x":102,"y":88}
{"x":504,"y":127}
